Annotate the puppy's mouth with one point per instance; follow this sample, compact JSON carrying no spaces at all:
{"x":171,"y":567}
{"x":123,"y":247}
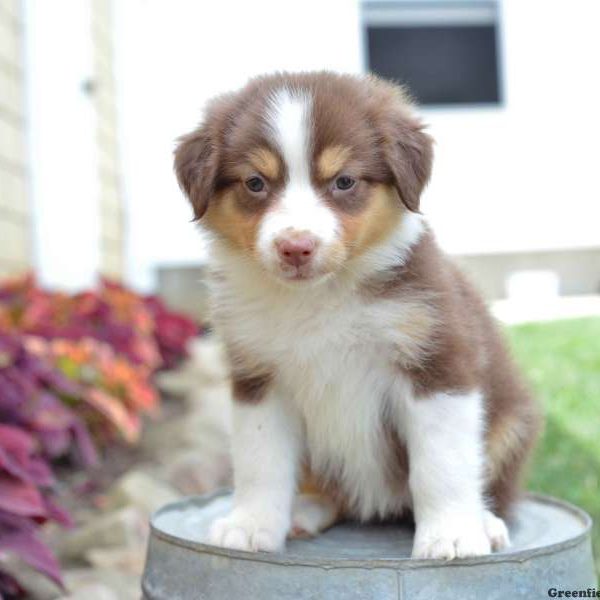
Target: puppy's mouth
{"x":303,"y":273}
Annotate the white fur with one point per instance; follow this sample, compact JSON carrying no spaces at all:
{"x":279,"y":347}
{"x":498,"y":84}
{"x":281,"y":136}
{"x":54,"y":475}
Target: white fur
{"x":496,"y":531}
{"x":396,"y":249}
{"x":335,"y":356}
{"x":299,"y":209}
{"x":444,"y":433}
{"x":312,"y":514}
{"x":265,"y":458}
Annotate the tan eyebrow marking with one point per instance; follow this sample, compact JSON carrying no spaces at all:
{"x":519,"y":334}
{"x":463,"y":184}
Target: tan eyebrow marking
{"x":332,"y":159}
{"x":265,"y":161}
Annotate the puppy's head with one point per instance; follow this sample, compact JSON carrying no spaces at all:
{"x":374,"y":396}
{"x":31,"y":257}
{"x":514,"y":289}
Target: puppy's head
{"x":304,"y":173}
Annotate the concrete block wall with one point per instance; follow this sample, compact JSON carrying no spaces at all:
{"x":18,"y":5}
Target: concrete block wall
{"x":577,"y":269}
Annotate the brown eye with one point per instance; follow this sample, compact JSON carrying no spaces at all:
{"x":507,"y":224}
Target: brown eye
{"x":344,"y":183}
{"x":255,"y":184}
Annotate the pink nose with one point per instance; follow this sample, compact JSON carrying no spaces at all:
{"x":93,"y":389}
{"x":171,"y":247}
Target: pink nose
{"x":296,"y":251}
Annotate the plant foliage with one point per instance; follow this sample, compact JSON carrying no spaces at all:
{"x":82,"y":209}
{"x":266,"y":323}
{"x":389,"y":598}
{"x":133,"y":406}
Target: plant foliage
{"x":75,"y":371}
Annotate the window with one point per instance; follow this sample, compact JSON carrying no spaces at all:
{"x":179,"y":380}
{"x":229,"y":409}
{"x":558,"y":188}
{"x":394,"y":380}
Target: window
{"x":445,"y":51}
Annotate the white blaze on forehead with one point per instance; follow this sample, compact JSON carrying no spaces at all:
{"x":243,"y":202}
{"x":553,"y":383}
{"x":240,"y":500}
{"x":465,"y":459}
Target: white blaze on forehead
{"x":289,"y":124}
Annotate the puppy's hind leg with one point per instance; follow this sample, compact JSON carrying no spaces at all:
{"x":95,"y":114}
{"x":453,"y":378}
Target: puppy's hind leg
{"x":311,"y":514}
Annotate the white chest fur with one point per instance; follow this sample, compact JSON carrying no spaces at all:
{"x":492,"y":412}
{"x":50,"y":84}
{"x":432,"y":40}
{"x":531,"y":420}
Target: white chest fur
{"x":334,"y":355}
{"x":349,"y":405}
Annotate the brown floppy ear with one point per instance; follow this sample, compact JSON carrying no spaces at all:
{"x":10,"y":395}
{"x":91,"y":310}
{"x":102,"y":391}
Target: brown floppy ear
{"x":196,"y":166}
{"x":410,"y":157}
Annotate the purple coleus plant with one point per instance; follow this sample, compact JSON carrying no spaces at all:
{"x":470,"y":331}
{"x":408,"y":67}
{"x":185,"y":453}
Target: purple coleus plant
{"x":35,"y":428}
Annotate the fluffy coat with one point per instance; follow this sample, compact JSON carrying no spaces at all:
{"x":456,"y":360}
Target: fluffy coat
{"x":369,"y":379}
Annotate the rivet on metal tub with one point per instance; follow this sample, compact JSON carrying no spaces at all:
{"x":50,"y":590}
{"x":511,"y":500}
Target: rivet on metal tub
{"x":551,"y":548}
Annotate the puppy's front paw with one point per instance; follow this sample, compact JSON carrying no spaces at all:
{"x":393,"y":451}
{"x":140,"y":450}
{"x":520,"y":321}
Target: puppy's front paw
{"x":496,"y":530}
{"x":451,"y":537}
{"x":246,"y":530}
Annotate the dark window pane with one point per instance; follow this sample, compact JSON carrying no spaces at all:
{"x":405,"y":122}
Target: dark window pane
{"x":440,"y":65}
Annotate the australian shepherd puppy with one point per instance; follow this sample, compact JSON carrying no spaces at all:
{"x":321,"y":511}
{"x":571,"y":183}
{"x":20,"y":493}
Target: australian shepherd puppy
{"x":369,"y":379}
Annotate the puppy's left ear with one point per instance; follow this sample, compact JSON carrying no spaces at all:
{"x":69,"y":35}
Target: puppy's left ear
{"x":196,"y":167}
{"x":409,"y":155}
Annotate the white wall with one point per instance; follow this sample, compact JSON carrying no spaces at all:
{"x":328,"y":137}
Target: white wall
{"x":520,"y":176}
{"x":174,"y":55}
{"x":61,"y":143}
{"x":525,"y":176}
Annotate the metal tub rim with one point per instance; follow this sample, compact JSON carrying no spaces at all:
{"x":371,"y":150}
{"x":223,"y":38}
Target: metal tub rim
{"x":407,"y":563}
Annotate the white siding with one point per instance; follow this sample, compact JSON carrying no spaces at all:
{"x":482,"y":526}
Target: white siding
{"x":15,"y":248}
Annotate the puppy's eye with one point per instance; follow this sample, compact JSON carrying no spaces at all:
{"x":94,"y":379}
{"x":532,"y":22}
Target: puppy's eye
{"x":255,"y":184}
{"x":344,"y":183}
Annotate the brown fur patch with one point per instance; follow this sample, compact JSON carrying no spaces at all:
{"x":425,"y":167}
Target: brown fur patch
{"x":265,"y":162}
{"x":465,"y":352}
{"x":332,"y":160}
{"x":250,"y":379}
{"x":250,"y":388}
{"x":416,"y":331}
{"x":237,"y":226}
{"x":374,"y":123}
{"x":375,"y":222}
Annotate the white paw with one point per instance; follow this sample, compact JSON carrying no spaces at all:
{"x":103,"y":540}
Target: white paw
{"x":311,"y":514}
{"x":250,"y":531}
{"x":496,"y":530}
{"x":451,"y":537}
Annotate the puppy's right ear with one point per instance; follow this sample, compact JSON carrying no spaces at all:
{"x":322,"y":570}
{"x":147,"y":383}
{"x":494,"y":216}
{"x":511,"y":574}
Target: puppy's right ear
{"x":196,"y":167}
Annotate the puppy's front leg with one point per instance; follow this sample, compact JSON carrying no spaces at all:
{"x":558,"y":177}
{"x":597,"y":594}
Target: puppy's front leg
{"x":445,"y":444}
{"x":265,"y":455}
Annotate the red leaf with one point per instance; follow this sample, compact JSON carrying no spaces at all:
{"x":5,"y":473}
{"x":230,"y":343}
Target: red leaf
{"x":112,"y":408}
{"x":10,"y":523}
{"x":20,"y":498}
{"x":31,"y":469}
{"x":15,"y":440}
{"x":58,"y":514}
{"x":33,"y":552}
{"x":87,"y":451}
{"x":9,"y":587}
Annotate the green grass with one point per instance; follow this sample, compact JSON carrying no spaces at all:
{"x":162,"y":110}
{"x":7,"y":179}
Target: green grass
{"x":562,"y":361}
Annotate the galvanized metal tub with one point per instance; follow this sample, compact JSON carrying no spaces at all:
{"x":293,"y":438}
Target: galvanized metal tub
{"x":550,"y":549}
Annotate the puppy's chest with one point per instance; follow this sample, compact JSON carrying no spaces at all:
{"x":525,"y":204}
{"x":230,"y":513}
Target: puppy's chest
{"x":325,"y":333}
{"x":337,"y":366}
{"x":352,"y":417}
{"x":337,"y":352}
